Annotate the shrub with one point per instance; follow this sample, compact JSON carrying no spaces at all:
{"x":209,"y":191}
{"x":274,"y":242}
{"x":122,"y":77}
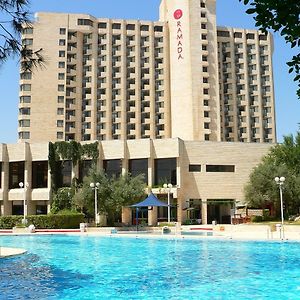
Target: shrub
{"x":50,"y":221}
{"x":7,"y":222}
{"x":190,"y":222}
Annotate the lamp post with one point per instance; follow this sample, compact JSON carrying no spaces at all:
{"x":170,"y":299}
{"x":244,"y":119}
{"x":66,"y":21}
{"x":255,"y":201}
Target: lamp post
{"x":21,"y":185}
{"x":168,"y":188}
{"x":280,"y":181}
{"x":95,"y":186}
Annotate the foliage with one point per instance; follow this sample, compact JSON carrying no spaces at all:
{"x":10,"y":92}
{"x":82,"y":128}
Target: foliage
{"x":14,"y":17}
{"x":112,"y":194}
{"x":62,"y":199}
{"x":50,"y":221}
{"x":190,"y":222}
{"x":281,"y":16}
{"x":8,"y":222}
{"x":282,"y":160}
{"x":74,"y":151}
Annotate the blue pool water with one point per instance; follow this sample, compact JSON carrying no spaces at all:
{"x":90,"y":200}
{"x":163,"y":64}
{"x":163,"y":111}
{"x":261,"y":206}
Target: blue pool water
{"x":75,"y":267}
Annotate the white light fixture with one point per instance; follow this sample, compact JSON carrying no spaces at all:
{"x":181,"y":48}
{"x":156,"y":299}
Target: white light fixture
{"x":95,"y":186}
{"x":21,"y":185}
{"x":280,"y":181}
{"x":168,"y":188}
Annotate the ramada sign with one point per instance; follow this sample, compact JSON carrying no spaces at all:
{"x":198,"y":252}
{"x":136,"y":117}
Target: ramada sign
{"x":179,"y":35}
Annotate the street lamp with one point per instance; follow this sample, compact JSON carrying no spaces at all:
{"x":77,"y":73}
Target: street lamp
{"x":95,"y":186}
{"x":21,"y":185}
{"x":168,"y":188}
{"x":280,"y":181}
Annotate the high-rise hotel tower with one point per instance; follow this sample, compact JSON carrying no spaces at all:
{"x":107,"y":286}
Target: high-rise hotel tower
{"x":181,"y":76}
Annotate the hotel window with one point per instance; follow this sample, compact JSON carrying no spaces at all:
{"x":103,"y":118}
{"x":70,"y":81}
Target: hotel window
{"x":130,"y":27}
{"x":102,"y":25}
{"x":84,"y":168}
{"x":203,"y":15}
{"x":27,"y":30}
{"x":238,"y":35}
{"x":60,"y":135}
{"x":138,"y":167}
{"x":60,"y":111}
{"x":24,"y":123}
{"x":27,"y":42}
{"x":61,"y":76}
{"x":165,"y":171}
{"x":158,"y":28}
{"x":25,"y":87}
{"x":112,"y":167}
{"x":41,"y":209}
{"x":202,"y":4}
{"x":66,"y":173}
{"x":204,"y":36}
{"x":24,"y":111}
{"x":61,"y":88}
{"x":220,"y":168}
{"x":205,"y":103}
{"x":194,"y":168}
{"x":24,"y":135}
{"x":86,"y":22}
{"x":204,"y":47}
{"x":16,"y":174}
{"x":144,"y":27}
{"x":39,"y":174}
{"x":206,"y":137}
{"x":61,"y":53}
{"x":26,"y":75}
{"x":25,"y":99}
{"x":60,"y":123}
{"x":204,"y":69}
{"x":205,"y":91}
{"x":206,"y":125}
{"x":62,"y":42}
{"x":62,"y":30}
{"x":60,"y":99}
{"x":116,"y":26}
{"x":61,"y":64}
{"x":250,"y":36}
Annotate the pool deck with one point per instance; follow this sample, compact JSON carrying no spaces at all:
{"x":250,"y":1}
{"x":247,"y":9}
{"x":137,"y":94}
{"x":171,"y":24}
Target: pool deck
{"x":232,"y":232}
{"x":9,"y":252}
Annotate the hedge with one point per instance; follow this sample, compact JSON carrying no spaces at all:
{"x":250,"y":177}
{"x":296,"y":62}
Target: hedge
{"x":50,"y":221}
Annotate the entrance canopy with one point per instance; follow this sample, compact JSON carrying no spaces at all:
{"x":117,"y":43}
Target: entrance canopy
{"x":151,"y":200}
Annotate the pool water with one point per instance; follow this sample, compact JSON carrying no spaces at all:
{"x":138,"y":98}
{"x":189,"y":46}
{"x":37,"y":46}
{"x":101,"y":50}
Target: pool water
{"x":81,"y":267}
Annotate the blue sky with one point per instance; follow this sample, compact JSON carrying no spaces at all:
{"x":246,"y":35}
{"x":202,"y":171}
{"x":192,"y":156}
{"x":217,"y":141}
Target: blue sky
{"x":229,"y":13}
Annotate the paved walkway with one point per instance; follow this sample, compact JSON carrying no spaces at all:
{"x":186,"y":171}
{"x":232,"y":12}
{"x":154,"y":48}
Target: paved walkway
{"x":8,"y":252}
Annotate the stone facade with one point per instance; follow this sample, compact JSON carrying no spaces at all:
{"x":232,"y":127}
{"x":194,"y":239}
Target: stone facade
{"x":179,"y":77}
{"x":211,"y":174}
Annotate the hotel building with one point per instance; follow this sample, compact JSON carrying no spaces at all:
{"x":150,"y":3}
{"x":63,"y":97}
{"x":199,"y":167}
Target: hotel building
{"x":179,"y":100}
{"x":180,"y":77}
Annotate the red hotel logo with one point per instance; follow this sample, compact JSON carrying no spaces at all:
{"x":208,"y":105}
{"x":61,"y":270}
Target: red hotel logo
{"x":178,"y":14}
{"x":179,"y":35}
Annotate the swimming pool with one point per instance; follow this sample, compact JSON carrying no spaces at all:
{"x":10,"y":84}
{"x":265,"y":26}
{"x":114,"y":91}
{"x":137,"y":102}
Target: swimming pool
{"x":81,"y":267}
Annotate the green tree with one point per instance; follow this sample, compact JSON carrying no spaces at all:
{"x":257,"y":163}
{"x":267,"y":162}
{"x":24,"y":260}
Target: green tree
{"x":282,"y":160}
{"x":112,"y":194}
{"x":14,"y":18}
{"x":280,"y":16}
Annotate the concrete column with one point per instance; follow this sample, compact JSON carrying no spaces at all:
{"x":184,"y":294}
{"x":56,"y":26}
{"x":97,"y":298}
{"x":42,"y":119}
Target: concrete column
{"x":204,"y":211}
{"x":7,"y":205}
{"x":127,"y":215}
{"x":181,"y":213}
{"x":152,"y":217}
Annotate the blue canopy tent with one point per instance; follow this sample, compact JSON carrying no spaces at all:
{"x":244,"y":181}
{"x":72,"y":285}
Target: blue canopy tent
{"x":151,"y":200}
